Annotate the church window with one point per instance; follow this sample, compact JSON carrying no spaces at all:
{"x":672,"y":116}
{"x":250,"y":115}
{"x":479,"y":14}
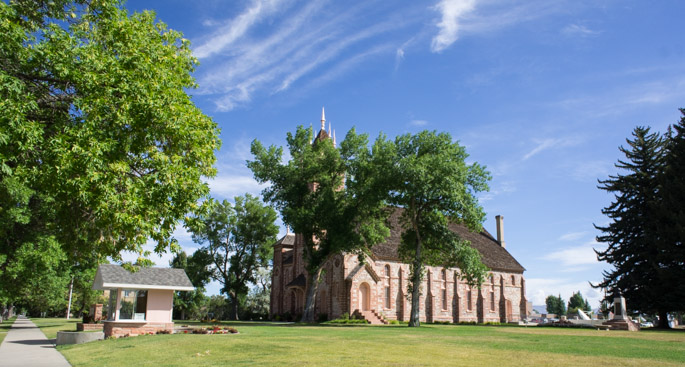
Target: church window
{"x":513,"y":280}
{"x":468,"y":299}
{"x":492,"y":300}
{"x":387,"y":286}
{"x":443,"y":285}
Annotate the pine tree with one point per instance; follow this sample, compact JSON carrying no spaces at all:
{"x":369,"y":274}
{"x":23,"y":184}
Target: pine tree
{"x":632,"y":237}
{"x":672,"y":220}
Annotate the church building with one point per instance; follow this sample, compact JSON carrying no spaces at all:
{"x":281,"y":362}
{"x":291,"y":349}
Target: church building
{"x":377,"y":290}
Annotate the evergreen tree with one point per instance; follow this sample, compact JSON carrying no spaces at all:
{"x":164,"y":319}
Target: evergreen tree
{"x":633,"y":237}
{"x":672,"y":221}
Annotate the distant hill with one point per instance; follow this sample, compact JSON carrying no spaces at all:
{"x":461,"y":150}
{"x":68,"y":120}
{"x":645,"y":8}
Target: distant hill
{"x":540,"y":309}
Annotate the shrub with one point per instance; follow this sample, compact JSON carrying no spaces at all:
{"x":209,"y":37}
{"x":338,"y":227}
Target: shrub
{"x":394,"y":322}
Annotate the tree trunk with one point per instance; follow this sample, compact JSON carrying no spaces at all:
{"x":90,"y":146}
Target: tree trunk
{"x":183,"y":314}
{"x":663,"y":320}
{"x":71,"y":289}
{"x":417,"y":267}
{"x":234,"y":304}
{"x":309,"y":313}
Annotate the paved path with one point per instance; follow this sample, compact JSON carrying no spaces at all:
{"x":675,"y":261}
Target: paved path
{"x":26,"y":345}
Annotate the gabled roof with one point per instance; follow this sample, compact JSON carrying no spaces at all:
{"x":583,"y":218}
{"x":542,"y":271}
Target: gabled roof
{"x":299,"y":282}
{"x":110,"y":276}
{"x":493,"y":255}
{"x":288,"y":240}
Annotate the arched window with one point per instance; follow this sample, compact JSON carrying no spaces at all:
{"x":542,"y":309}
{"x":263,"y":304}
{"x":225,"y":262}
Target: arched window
{"x":492,"y":279}
{"x":443,"y":285}
{"x":492,"y":298}
{"x":468,"y":299}
{"x":387,"y":286}
{"x":513,"y":280}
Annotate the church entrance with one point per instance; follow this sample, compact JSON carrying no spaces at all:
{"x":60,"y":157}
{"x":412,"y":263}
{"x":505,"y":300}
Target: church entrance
{"x":364,"y":297}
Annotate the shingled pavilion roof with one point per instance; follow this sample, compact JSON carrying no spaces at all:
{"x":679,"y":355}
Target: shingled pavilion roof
{"x":493,"y":255}
{"x":110,"y":276}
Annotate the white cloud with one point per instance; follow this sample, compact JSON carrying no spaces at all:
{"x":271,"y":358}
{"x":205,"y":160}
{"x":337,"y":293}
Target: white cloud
{"x":504,"y":187}
{"x":451,"y":11}
{"x":542,"y":145}
{"x":229,"y":186}
{"x":235,"y":29}
{"x":418,"y":122}
{"x":578,"y":30}
{"x":295,"y":42}
{"x":572,"y":257}
{"x":572,"y":236}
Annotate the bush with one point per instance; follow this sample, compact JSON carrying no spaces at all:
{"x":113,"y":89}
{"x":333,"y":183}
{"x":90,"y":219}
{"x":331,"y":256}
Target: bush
{"x":394,"y":322}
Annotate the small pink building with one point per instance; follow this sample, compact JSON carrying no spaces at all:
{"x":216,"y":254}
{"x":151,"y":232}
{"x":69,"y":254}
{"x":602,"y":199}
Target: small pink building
{"x":140,"y":302}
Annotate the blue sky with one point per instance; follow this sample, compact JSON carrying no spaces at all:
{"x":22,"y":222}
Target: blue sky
{"x":541,"y":92}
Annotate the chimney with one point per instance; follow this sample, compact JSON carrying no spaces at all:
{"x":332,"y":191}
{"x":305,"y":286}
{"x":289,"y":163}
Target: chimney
{"x":500,"y":230}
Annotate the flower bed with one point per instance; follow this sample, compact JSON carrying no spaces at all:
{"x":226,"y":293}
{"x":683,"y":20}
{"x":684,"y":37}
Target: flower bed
{"x":209,"y":330}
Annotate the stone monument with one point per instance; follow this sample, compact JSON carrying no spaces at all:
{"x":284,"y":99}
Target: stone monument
{"x":620,"y":320}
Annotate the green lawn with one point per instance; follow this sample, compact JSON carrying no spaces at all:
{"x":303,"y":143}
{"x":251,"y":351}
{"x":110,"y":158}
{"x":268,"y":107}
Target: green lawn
{"x":5,"y":327}
{"x":266,"y":344}
{"x":50,"y":326}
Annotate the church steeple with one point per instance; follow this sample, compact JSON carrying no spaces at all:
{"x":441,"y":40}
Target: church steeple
{"x":323,"y":134}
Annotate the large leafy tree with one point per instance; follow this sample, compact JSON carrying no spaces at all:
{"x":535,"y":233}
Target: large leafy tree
{"x":577,"y":302}
{"x":635,"y":246}
{"x":555,"y":305}
{"x":238,"y":239}
{"x":101,"y":148}
{"x":197,"y":267}
{"x":435,"y":186}
{"x":332,"y":198}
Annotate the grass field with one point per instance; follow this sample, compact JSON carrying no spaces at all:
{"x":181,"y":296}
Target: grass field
{"x":50,"y":326}
{"x":5,"y":327}
{"x":266,"y":344}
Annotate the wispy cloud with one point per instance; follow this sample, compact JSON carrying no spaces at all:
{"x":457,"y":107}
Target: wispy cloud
{"x":505,"y":187}
{"x":418,"y":122}
{"x":576,"y":255}
{"x":579,"y":30}
{"x":292,"y":42}
{"x":542,"y":145}
{"x":451,"y":12}
{"x":236,"y":28}
{"x":572,"y":236}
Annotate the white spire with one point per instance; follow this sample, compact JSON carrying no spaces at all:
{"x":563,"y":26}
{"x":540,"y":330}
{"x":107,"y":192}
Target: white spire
{"x":323,"y":119}
{"x":329,"y":128}
{"x":334,"y":138}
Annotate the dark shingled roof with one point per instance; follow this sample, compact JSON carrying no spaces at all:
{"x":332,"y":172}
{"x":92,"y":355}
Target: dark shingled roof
{"x":287,"y":240}
{"x":161,"y":277}
{"x":300,"y":281}
{"x":493,"y":255}
{"x":321,"y":136}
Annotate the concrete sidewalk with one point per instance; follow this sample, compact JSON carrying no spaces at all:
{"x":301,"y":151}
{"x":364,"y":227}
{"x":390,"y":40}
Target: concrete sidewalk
{"x":26,"y":345}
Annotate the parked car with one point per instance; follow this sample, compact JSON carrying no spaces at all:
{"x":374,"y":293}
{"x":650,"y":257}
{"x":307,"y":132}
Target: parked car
{"x":646,"y":324}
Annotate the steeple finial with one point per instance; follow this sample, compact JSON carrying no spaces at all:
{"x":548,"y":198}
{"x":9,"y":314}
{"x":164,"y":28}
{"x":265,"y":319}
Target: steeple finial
{"x":323,"y":119}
